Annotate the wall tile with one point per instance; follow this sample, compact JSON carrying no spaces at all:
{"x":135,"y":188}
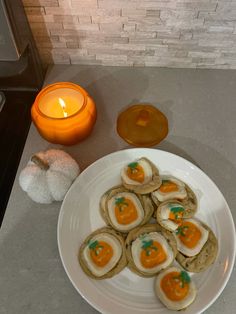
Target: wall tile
{"x":173,"y":33}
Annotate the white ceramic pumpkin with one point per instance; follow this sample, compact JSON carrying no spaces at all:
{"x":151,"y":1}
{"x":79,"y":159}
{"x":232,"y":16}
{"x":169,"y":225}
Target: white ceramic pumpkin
{"x":48,"y":176}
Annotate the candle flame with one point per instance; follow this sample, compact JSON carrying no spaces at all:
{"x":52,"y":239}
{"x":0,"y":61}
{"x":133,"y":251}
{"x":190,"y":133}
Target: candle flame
{"x":63,"y":106}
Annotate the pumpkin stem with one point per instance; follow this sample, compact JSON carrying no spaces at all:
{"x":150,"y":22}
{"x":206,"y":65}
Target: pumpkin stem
{"x":40,"y":162}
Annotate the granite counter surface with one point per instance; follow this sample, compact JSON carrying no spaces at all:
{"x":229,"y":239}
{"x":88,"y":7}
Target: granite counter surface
{"x":200,"y":106}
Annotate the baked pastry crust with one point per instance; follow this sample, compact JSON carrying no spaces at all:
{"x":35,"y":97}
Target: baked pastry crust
{"x":204,"y":258}
{"x":135,"y":233}
{"x":148,"y":187}
{"x":120,"y":264}
{"x":188,"y":213}
{"x":190,"y":202}
{"x":146,"y":202}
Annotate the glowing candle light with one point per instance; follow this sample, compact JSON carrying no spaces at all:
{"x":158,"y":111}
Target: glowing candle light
{"x":64,"y":113}
{"x":63,"y":106}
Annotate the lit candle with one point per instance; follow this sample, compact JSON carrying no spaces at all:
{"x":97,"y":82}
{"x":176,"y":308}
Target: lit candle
{"x":65,"y":104}
{"x":64,"y":113}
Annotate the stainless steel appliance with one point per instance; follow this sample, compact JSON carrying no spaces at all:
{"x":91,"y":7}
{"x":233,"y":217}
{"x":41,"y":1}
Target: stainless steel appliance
{"x":21,"y":77}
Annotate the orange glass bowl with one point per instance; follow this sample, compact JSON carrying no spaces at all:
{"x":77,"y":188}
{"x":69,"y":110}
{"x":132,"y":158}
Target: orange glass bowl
{"x":64,"y":113}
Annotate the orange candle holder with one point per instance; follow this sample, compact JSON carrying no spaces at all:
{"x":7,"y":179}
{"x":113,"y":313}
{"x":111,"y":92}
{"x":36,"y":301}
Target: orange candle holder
{"x":64,"y":113}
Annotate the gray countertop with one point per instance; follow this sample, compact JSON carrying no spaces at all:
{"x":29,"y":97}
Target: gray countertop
{"x":200,"y":106}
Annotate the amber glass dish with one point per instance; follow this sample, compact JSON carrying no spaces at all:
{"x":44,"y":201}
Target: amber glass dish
{"x":142,"y":125}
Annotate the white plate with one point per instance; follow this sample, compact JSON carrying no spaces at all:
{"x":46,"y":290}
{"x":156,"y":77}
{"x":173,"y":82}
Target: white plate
{"x":127,"y":292}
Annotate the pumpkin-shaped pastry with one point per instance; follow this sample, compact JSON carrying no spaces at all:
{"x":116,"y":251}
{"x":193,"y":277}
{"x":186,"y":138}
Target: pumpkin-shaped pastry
{"x":48,"y":176}
{"x":124,"y":210}
{"x":197,"y":245}
{"x":150,"y":249}
{"x":141,"y":176}
{"x":102,"y":254}
{"x":170,"y":214}
{"x":175,"y":288}
{"x":173,"y":188}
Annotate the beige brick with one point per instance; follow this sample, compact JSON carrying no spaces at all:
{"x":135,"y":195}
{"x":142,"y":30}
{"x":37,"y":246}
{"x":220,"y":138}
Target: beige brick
{"x":225,"y":6}
{"x":116,"y":63}
{"x":40,"y":18}
{"x":137,"y":54}
{"x":84,"y":3}
{"x":203,"y":5}
{"x":178,"y":14}
{"x":116,"y":40}
{"x":34,"y":10}
{"x":91,"y":37}
{"x":79,"y":52}
{"x":181,"y":54}
{"x":193,"y":47}
{"x":222,"y":23}
{"x":157,"y":47}
{"x":143,"y":35}
{"x":64,"y":32}
{"x":175,"y":60}
{"x":167,"y":34}
{"x":85,"y":19}
{"x":111,"y":28}
{"x":129,"y":46}
{"x":217,"y":16}
{"x":66,"y":19}
{"x":147,"y":21}
{"x":89,"y":45}
{"x":157,"y":4}
{"x":231,"y":55}
{"x":214,"y":36}
{"x":130,"y":27}
{"x":186,"y":35}
{"x":82,"y":27}
{"x":146,"y":41}
{"x":133,"y":12}
{"x":116,"y":58}
{"x":106,"y":12}
{"x":64,"y":3}
{"x":109,"y":19}
{"x":53,"y":25}
{"x":181,"y":47}
{"x":136,"y":60}
{"x":60,"y":11}
{"x":38,"y":3}
{"x":140,"y":27}
{"x":68,"y":38}
{"x":153,"y":13}
{"x":220,"y":29}
{"x":201,"y":61}
{"x":214,"y":43}
{"x":225,"y":61}
{"x":206,"y":55}
{"x":185,"y":23}
{"x":104,"y":51}
{"x":54,"y":38}
{"x":120,"y":4}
